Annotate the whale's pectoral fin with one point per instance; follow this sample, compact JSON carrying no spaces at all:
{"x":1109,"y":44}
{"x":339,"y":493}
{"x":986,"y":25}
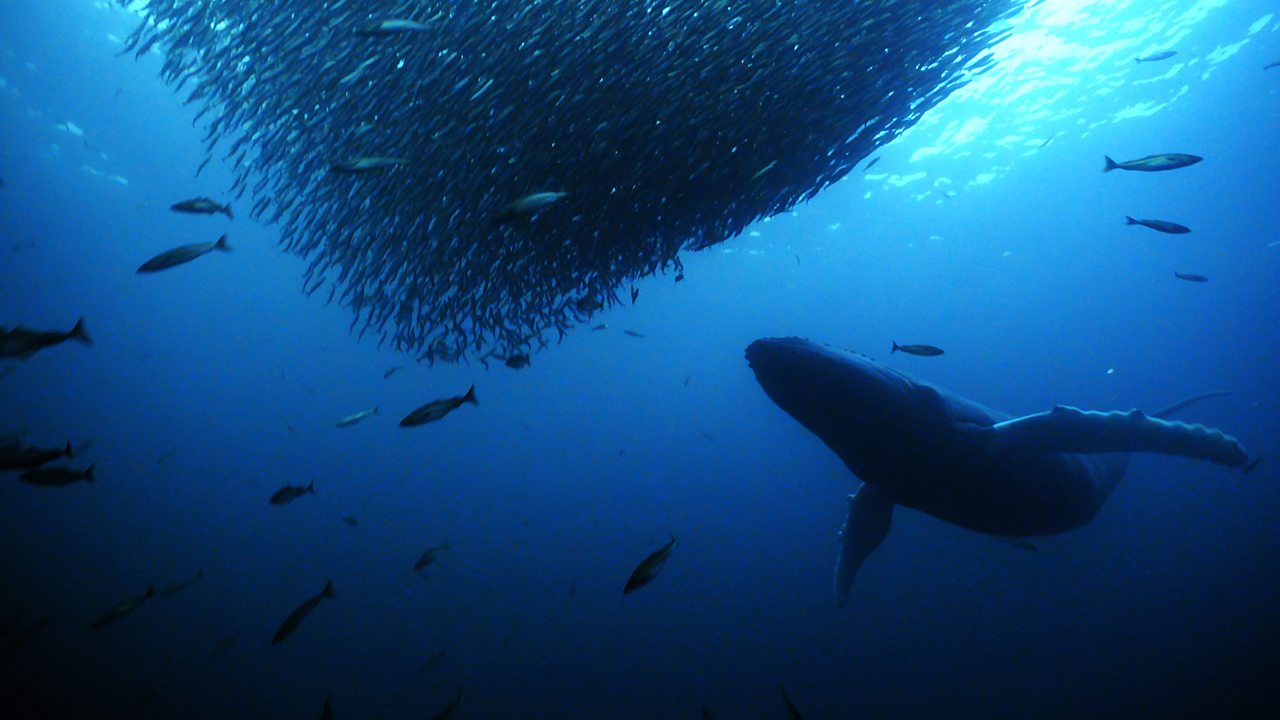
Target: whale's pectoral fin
{"x":866,"y":526}
{"x":1071,"y":430}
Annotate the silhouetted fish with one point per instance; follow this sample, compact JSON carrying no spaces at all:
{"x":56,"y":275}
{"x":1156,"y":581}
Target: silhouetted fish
{"x":202,"y":206}
{"x":449,"y":709}
{"x":24,"y":636}
{"x":429,"y":556}
{"x":123,"y":609}
{"x":649,"y":568}
{"x":182,"y":255}
{"x":1156,"y":57}
{"x":174,"y":588}
{"x":921,"y":350}
{"x":792,"y":712}
{"x":437,"y":409}
{"x":16,"y":456}
{"x":221,"y":647}
{"x":1153,"y":163}
{"x":1190,"y":277}
{"x":300,"y":613}
{"x":1163,"y":226}
{"x":289,"y":493}
{"x":21,"y":343}
{"x":59,"y":476}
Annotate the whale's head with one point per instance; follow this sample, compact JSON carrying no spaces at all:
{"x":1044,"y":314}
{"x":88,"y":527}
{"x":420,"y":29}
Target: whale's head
{"x":868,"y":414}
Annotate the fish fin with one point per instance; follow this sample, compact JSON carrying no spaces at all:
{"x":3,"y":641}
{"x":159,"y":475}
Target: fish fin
{"x":88,"y":474}
{"x":79,"y":333}
{"x":328,"y":590}
{"x":1111,"y":164}
{"x":222,"y":244}
{"x":865,"y":527}
{"x":1129,"y":221}
{"x":896,"y":348}
{"x":471,"y":396}
{"x":68,"y":452}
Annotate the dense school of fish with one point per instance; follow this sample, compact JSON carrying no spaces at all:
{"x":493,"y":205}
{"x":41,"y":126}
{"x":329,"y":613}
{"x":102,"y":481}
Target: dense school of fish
{"x":477,"y":178}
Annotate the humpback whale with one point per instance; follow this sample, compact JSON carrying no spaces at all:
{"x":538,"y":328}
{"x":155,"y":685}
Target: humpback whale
{"x":921,"y":446}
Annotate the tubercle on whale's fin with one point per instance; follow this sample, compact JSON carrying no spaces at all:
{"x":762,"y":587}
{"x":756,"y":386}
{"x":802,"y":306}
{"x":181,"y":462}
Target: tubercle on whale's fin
{"x":1071,"y":430}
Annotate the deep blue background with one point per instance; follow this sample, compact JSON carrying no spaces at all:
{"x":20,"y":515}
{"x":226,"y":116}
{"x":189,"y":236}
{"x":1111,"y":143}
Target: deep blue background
{"x":570,"y":471}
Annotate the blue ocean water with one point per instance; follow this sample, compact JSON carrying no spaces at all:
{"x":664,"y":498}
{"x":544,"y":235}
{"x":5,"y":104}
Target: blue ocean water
{"x":987,"y":230}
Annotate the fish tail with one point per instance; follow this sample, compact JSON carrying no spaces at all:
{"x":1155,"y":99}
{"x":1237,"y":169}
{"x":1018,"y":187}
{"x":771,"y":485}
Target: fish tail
{"x":471,"y":396}
{"x":151,"y":591}
{"x":222,"y":244}
{"x":328,"y":590}
{"x":1129,"y":221}
{"x":226,"y":210}
{"x":1111,"y":164}
{"x":895,"y":347}
{"x":88,"y":473}
{"x":311,"y":487}
{"x":70,"y":455}
{"x":79,"y":333}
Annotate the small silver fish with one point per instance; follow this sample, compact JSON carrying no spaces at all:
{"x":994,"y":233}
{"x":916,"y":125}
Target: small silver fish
{"x":365,"y":165}
{"x":354,"y":418}
{"x":526,"y":207}
{"x":1156,"y":57}
{"x":391,"y":26}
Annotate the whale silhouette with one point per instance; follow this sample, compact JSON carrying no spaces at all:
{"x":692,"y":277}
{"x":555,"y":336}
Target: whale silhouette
{"x":921,"y":446}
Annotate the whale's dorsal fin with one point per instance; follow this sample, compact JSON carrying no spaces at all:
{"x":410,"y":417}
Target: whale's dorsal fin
{"x":865,"y":527}
{"x":1071,"y":430}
